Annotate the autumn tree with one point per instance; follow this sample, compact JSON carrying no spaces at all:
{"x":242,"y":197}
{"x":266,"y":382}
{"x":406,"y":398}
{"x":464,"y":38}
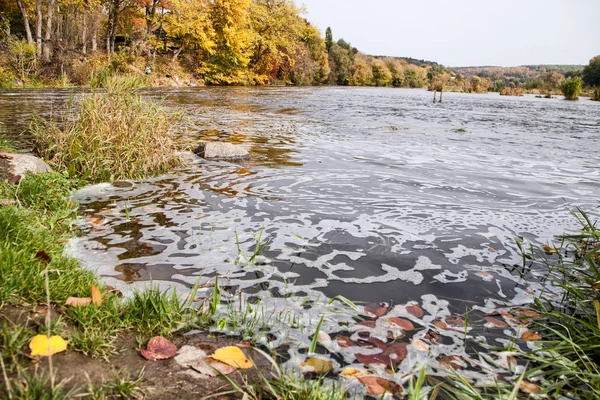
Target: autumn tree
{"x":189,"y":23}
{"x":328,"y":38}
{"x":381,"y":74}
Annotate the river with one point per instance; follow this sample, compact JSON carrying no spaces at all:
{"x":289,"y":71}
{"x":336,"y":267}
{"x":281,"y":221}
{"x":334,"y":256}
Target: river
{"x":375,"y":194}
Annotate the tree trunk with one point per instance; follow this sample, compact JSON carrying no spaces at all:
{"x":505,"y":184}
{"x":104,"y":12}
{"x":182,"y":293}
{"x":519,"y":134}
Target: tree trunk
{"x":38,"y":27}
{"x":25,"y":22}
{"x":48,"y":34}
{"x":84,"y":34}
{"x":95,"y":24}
{"x":176,"y":54}
{"x":441,"y":93}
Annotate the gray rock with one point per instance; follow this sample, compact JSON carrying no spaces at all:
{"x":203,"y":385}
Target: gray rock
{"x":222,"y":151}
{"x":16,"y":165}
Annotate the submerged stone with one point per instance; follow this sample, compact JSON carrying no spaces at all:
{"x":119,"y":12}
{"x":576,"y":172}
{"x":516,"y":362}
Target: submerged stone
{"x":221,"y":151}
{"x":13,"y":166}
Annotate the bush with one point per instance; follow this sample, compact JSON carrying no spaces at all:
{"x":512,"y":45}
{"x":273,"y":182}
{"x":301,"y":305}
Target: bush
{"x":116,"y":136}
{"x":512,"y":91}
{"x":596,"y":94}
{"x":571,"y":88}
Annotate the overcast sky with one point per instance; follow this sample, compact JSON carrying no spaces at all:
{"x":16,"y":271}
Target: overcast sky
{"x":466,"y":32}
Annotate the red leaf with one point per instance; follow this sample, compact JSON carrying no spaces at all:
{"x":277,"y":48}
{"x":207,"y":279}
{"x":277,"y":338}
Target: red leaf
{"x":372,"y":342}
{"x":376,"y":309}
{"x":404,"y":324}
{"x":452,"y":361}
{"x":415,"y":311}
{"x":368,"y":359}
{"x":159,"y":348}
{"x":368,"y":323}
{"x":43,"y":257}
{"x":433,"y":337}
{"x":455,"y":321}
{"x":396,"y":352}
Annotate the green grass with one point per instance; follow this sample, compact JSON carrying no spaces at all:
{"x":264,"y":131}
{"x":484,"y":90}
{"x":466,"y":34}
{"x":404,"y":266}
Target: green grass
{"x":570,"y":327}
{"x":112,"y":134}
{"x":33,"y":231}
{"x":283,"y":386}
{"x":6,"y":145}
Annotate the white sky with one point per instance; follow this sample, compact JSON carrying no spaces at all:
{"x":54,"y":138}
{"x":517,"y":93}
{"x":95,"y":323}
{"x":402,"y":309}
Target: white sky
{"x":466,"y":32}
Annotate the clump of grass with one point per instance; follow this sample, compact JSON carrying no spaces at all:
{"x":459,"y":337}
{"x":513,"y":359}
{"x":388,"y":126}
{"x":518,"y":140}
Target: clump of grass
{"x":571,"y":88}
{"x":570,"y":354}
{"x":37,"y":386}
{"x":113,"y":134}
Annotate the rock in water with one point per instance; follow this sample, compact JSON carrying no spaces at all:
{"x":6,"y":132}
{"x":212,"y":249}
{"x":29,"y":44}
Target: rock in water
{"x":221,"y":151}
{"x":16,"y":165}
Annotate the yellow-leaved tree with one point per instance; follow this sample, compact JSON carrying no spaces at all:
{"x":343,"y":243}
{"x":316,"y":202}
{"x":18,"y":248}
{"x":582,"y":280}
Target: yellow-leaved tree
{"x":189,"y":23}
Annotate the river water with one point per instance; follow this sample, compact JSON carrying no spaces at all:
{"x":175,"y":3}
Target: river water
{"x":378,"y":195}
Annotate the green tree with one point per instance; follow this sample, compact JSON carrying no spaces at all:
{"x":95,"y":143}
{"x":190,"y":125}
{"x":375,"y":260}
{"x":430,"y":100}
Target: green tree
{"x":381,"y":74}
{"x":591,"y":73}
{"x":571,"y":88}
{"x":328,"y":38}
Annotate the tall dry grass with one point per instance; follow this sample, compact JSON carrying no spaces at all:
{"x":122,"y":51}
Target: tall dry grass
{"x":112,"y":134}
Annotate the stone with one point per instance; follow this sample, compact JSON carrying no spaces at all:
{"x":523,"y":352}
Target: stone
{"x":13,"y":166}
{"x":222,"y":151}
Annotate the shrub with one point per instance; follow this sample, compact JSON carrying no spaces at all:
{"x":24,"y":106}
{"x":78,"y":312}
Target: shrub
{"x":116,"y":135}
{"x":571,"y":88}
{"x":596,"y":94}
{"x":512,"y":91}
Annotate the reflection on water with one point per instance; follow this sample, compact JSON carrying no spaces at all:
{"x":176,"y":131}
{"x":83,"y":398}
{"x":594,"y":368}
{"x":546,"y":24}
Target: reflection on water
{"x":374,"y":194}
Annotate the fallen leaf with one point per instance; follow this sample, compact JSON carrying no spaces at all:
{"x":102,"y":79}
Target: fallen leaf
{"x":415,"y":311}
{"x":190,"y":355}
{"x":368,"y":359}
{"x":317,"y":365}
{"x":232,"y":356}
{"x":245,"y":343}
{"x":531,"y":336}
{"x":40,"y":345}
{"x":527,"y":313}
{"x":96,"y":296}
{"x":78,"y":301}
{"x":376,"y":309}
{"x":455,"y":321}
{"x":549,"y":249}
{"x":441,"y":324}
{"x":159,"y":348}
{"x":420,"y":345}
{"x":372,"y":342}
{"x":15,"y":179}
{"x":43,"y":257}
{"x":452,"y":361}
{"x":324,"y":339}
{"x":114,"y":291}
{"x":345,"y":341}
{"x":350,"y":372}
{"x":378,"y":386}
{"x":492,"y":250}
{"x":495,"y":322}
{"x":396,"y":352}
{"x":529,"y":388}
{"x":95,"y":219}
{"x":404,"y":324}
{"x":433,"y":337}
{"x":206,"y":366}
{"x":368,"y":323}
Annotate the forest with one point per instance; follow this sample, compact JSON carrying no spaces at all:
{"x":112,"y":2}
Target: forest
{"x":62,"y":43}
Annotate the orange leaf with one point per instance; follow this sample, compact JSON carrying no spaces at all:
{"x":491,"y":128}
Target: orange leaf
{"x":159,"y":348}
{"x":379,"y":386}
{"x":531,"y":336}
{"x":404,"y":324}
{"x":96,"y":296}
{"x":420,"y":345}
{"x":495,"y":322}
{"x":415,"y":311}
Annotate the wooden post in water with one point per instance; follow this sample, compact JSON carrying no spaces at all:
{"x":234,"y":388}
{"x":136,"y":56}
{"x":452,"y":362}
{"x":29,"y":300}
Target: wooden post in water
{"x":434,"y":96}
{"x":441,"y":92}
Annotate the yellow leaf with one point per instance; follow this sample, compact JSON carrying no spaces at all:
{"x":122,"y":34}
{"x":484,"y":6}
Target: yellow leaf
{"x":96,"y":296}
{"x":232,"y":356}
{"x":317,"y":365}
{"x":40,"y":347}
{"x":350,"y":372}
